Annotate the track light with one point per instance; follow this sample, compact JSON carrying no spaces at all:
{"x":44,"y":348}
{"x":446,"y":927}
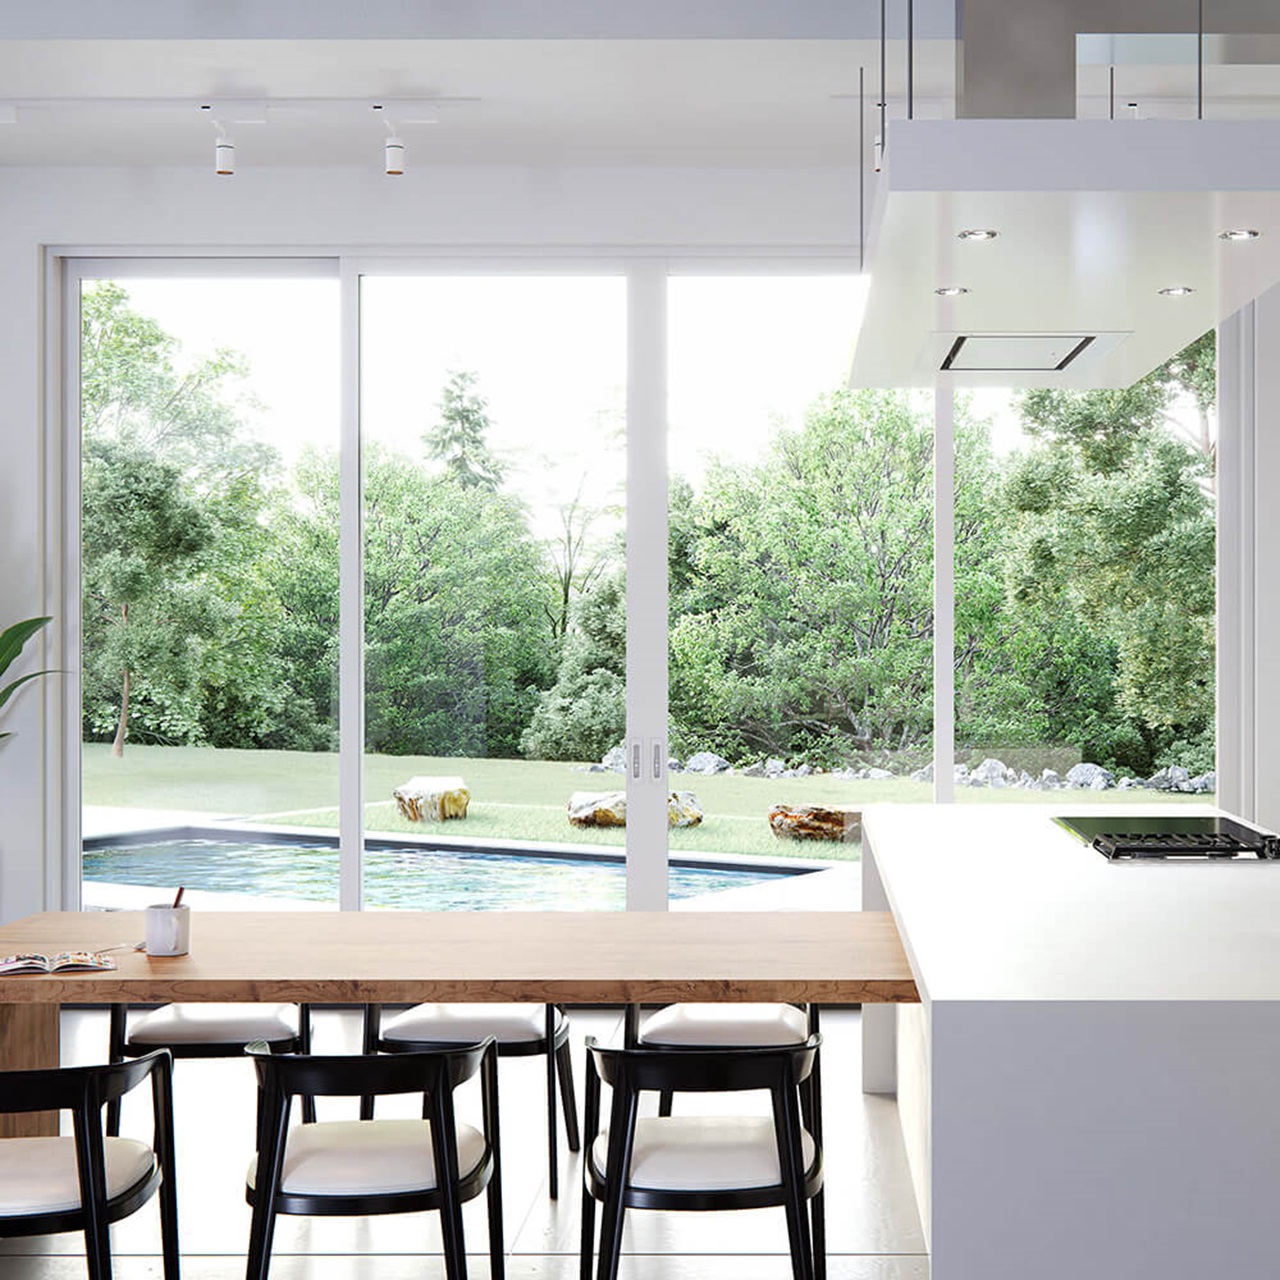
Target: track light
{"x":224,"y":152}
{"x":393,"y":154}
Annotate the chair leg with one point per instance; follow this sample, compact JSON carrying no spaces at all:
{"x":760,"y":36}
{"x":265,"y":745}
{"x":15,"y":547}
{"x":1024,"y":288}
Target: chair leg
{"x":261,"y":1231}
{"x":115,"y":1053}
{"x":588,"y":1246}
{"x":568,"y":1096}
{"x":664,"y":1102}
{"x":304,"y":1046}
{"x":819,"y":1235}
{"x":369,"y":1037}
{"x":553,"y":1144}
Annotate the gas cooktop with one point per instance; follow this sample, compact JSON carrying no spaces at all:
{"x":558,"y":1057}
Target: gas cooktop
{"x":1119,"y":836}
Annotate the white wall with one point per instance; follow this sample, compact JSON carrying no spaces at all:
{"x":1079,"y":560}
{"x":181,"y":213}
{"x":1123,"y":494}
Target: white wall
{"x":184,"y":210}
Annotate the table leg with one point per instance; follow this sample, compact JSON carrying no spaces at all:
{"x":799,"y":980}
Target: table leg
{"x":28,"y":1039}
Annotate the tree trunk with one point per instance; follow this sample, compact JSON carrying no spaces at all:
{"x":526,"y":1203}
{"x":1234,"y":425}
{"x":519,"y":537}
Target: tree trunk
{"x":122,"y":725}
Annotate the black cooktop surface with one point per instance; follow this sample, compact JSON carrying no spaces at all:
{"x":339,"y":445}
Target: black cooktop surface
{"x":1120,"y":835}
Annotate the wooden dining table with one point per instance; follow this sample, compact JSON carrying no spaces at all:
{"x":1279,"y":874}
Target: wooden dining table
{"x":393,"y":957}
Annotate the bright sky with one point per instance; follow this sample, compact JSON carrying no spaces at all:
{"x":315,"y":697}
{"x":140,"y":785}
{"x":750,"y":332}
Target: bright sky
{"x":747,"y":354}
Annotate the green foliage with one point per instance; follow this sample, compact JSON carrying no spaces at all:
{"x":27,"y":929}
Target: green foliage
{"x":459,"y":438}
{"x":13,"y":640}
{"x":584,"y":713}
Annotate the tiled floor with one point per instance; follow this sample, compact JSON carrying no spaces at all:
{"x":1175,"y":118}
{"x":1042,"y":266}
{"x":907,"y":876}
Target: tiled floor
{"x":873,"y":1229}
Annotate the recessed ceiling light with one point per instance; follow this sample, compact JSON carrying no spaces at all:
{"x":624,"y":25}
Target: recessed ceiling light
{"x":977,"y":233}
{"x":1177,"y":291}
{"x":951,"y":291}
{"x":1240,"y":233}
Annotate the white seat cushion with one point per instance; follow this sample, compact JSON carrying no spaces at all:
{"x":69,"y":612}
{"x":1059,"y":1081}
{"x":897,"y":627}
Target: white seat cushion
{"x":215,"y":1024}
{"x":716,"y":1025}
{"x":38,"y":1175}
{"x":470,"y":1023}
{"x":703,"y":1153}
{"x":367,"y":1157}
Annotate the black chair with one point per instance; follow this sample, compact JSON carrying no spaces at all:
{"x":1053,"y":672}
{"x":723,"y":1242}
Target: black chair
{"x":353,"y":1167}
{"x":723,"y":1026}
{"x":520,"y":1030}
{"x":207,"y":1031}
{"x":704,"y":1162}
{"x":86,"y":1182}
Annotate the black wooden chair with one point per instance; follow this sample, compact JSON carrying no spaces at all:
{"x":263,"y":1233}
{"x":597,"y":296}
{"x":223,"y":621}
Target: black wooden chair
{"x":207,"y":1031}
{"x":703,"y":1162}
{"x":520,"y":1030}
{"x":355,"y":1167}
{"x":87,"y":1182}
{"x":723,"y":1026}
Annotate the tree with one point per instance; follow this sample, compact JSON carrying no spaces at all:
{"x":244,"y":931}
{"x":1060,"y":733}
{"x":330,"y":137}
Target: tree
{"x":178,"y":620}
{"x":576,"y":564}
{"x":455,"y":644}
{"x":459,"y":438}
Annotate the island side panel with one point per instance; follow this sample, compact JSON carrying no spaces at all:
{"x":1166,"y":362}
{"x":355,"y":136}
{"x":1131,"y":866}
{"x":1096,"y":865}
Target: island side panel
{"x":1114,"y":1139}
{"x":879,"y":1022}
{"x":28,"y":1040}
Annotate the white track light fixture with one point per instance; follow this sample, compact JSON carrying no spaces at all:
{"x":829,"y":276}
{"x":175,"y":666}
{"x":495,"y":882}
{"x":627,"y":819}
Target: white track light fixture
{"x":224,"y":153}
{"x":393,"y":154}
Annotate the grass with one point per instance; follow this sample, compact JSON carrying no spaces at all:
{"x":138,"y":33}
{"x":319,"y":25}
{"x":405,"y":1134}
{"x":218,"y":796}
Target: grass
{"x":511,"y":799}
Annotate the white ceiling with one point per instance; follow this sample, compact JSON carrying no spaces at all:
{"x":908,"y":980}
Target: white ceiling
{"x":540,"y":102}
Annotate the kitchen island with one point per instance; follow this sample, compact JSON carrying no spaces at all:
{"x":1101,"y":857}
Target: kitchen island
{"x":1088,"y":1087}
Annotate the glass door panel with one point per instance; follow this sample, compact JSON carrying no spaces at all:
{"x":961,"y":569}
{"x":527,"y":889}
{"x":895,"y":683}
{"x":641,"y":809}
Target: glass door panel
{"x":209,"y":590}
{"x":1085,"y":608}
{"x":493,"y":422}
{"x":800,"y":575}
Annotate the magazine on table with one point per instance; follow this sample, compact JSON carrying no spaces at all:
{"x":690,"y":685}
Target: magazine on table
{"x":32,"y":962}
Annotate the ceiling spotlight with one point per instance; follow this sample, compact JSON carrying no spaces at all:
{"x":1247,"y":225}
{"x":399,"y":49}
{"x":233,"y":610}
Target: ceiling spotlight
{"x":1176,"y":291}
{"x":393,"y":153}
{"x":224,"y":155}
{"x":1239,"y":233}
{"x":951,"y":291}
{"x":977,"y":233}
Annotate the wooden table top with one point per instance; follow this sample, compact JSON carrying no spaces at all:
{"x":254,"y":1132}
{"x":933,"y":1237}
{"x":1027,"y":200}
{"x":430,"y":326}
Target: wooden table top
{"x":841,"y":957}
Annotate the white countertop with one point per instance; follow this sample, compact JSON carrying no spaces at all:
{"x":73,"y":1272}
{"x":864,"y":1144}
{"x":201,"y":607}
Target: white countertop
{"x":999,"y":903}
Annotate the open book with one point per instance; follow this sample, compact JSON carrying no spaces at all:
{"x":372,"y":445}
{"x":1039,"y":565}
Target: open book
{"x":32,"y":963}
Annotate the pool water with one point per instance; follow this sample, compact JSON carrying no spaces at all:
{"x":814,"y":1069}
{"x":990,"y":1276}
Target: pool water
{"x":409,"y":878}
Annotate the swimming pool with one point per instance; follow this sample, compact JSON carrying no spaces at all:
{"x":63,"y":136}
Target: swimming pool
{"x":407,"y":877}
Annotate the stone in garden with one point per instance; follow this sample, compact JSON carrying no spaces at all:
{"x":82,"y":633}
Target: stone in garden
{"x":816,"y":822}
{"x":754,"y":770}
{"x":683,"y":809}
{"x":1171,"y":779}
{"x":705,"y":762}
{"x":773,"y":767}
{"x":1205,"y":782}
{"x":674,"y":766}
{"x":1050,"y":780}
{"x":878,"y":775}
{"x":615,"y":759}
{"x":598,"y":809}
{"x":991,"y":773}
{"x":1026,"y":781}
{"x":802,"y":771}
{"x":961,"y":772}
{"x":923,"y":775}
{"x":430,"y":799}
{"x":1081,"y":777}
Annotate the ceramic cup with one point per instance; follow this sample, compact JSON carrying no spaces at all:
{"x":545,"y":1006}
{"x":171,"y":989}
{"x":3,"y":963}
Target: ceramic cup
{"x":168,"y":930}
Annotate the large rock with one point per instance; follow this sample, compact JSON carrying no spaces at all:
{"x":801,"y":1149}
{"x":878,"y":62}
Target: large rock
{"x":1085,"y":777}
{"x":683,"y":809}
{"x":754,"y":770}
{"x":1174,"y":778}
{"x":705,"y":762}
{"x":816,"y":822}
{"x":598,"y":809}
{"x":609,"y":809}
{"x":615,"y":759}
{"x":991,"y":773}
{"x":431,"y":799}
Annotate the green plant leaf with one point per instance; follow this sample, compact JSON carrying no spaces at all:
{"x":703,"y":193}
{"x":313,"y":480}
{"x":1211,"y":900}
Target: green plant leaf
{"x":14,"y":638}
{"x":10,"y":689}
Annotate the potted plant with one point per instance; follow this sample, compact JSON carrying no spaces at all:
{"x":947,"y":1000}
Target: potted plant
{"x":12,"y":641}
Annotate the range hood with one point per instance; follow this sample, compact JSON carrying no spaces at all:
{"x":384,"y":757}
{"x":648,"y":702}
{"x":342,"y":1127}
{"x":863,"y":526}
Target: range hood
{"x":1108,"y":256}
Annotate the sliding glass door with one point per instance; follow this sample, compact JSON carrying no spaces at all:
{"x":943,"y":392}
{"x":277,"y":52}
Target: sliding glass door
{"x":494,"y":447}
{"x":208,"y":602}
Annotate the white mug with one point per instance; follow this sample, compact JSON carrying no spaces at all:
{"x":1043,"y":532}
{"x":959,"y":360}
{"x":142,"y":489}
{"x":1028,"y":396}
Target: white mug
{"x":168,"y":930}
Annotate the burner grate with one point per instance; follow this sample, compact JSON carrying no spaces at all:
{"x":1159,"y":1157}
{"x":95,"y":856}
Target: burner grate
{"x":1171,"y":844}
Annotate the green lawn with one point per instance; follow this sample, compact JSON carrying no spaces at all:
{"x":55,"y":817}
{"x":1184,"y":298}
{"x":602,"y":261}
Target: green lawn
{"x":510,"y":799}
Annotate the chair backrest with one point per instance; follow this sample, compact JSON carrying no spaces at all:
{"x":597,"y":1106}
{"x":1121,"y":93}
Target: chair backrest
{"x":70,"y":1088}
{"x":690,"y":1070}
{"x":359,"y":1075}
